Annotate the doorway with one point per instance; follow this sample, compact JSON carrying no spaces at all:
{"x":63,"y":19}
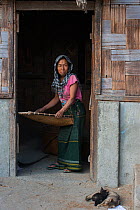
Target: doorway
{"x":43,"y":35}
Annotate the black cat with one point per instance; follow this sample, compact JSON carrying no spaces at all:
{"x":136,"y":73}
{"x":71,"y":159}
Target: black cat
{"x":98,"y":197}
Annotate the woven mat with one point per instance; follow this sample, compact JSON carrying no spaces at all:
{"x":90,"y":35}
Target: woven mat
{"x":49,"y":119}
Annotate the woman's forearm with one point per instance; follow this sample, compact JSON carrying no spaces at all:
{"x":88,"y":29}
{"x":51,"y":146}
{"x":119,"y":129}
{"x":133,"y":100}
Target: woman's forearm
{"x":52,"y":103}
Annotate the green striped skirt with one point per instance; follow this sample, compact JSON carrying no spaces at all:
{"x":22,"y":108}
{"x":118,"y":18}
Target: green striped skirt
{"x":69,"y":139}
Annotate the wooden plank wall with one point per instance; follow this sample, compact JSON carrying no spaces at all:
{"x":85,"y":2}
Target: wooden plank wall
{"x":6,"y":48}
{"x":121,"y":48}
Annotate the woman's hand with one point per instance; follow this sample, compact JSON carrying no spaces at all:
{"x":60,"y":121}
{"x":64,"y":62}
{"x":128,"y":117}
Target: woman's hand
{"x":59,"y":114}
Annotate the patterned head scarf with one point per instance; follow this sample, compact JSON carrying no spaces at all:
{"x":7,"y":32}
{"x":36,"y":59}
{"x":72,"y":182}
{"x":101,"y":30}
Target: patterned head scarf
{"x":56,"y":84}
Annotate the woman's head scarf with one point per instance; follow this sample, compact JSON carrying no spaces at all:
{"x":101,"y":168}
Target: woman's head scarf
{"x":56,"y":84}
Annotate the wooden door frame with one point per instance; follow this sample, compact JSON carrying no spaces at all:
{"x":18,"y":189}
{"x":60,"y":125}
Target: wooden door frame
{"x":95,"y":86}
{"x":12,"y":105}
{"x":96,"y":63}
{"x":51,"y":5}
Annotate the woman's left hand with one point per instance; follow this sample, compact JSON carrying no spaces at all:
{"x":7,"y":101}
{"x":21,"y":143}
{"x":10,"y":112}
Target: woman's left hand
{"x":59,"y":114}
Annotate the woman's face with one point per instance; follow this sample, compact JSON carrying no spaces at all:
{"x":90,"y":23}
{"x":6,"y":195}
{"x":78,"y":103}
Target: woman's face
{"x":62,"y":68}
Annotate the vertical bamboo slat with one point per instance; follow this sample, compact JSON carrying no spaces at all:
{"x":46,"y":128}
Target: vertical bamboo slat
{"x":133,"y":34}
{"x":106,"y":10}
{"x":106,"y":63}
{"x":118,"y":75}
{"x":118,"y":13}
{"x":133,"y":85}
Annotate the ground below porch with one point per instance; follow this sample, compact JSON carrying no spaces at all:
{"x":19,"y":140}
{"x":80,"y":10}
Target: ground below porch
{"x":37,"y":188}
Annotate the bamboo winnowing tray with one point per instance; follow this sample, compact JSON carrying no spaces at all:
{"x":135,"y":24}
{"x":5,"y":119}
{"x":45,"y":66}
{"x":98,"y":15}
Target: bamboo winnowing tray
{"x":49,"y":119}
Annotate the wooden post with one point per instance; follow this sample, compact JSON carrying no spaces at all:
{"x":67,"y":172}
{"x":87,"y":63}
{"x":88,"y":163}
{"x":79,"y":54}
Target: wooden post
{"x":95,"y":86}
{"x":98,"y":39}
{"x":92,"y":99}
{"x":13,"y":103}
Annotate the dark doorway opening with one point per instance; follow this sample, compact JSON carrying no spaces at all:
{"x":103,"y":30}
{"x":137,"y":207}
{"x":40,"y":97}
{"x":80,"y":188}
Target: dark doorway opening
{"x":43,"y":35}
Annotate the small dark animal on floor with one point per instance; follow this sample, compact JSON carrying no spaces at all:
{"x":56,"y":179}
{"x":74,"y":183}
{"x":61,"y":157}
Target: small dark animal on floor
{"x":112,"y":200}
{"x":98,"y":197}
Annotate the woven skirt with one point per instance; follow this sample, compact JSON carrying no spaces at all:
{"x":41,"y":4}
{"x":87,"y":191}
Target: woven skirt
{"x":69,"y":139}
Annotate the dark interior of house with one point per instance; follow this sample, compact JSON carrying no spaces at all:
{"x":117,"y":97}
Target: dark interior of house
{"x":42,"y":36}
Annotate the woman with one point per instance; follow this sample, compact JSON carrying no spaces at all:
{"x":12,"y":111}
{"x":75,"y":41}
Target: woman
{"x":67,"y":90}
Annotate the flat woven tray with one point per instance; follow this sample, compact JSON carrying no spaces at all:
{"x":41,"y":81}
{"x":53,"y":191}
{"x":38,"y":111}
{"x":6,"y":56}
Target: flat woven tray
{"x":49,"y":119}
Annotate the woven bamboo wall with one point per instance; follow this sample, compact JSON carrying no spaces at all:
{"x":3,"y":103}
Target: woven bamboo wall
{"x":120,"y":48}
{"x":6,"y":48}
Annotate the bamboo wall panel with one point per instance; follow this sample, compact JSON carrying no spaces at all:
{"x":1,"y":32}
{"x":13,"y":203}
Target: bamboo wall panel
{"x":106,"y":63}
{"x":125,"y":55}
{"x":106,"y":12}
{"x":4,"y":81}
{"x":132,"y":68}
{"x":125,"y":2}
{"x":4,"y":44}
{"x":133,"y":12}
{"x":133,"y":34}
{"x":106,"y":83}
{"x":6,"y":48}
{"x":118,"y":13}
{"x":113,"y":92}
{"x":113,"y":39}
{"x":106,"y":27}
{"x":133,"y":85}
{"x":120,"y":49}
{"x":118,"y":79}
